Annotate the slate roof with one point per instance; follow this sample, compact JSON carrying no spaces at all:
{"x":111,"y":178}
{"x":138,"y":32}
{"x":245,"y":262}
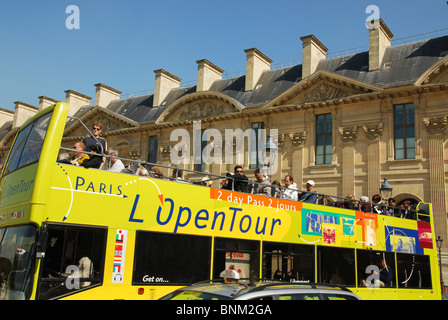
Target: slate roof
{"x":401,"y":65}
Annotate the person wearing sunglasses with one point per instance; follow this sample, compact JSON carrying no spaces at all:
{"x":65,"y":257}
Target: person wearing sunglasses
{"x":93,"y":141}
{"x":237,"y":181}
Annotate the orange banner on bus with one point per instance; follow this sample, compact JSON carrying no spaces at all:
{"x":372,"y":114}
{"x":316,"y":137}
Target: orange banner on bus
{"x":253,"y":199}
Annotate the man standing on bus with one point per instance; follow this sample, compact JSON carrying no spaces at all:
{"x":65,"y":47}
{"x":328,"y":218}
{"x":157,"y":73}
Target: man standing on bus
{"x":89,"y":141}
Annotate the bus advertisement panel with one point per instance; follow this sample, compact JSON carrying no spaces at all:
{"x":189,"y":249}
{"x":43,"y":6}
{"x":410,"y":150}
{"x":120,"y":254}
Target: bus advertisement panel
{"x":133,"y":206}
{"x":80,"y":195}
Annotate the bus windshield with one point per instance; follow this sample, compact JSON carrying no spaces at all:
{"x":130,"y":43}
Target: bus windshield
{"x":17,"y":246}
{"x":28,"y":144}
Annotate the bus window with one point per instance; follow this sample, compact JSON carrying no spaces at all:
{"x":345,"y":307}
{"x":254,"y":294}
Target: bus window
{"x":414,"y":271}
{"x":74,"y":260}
{"x":336,"y":266}
{"x":157,"y":257}
{"x":28,"y":145}
{"x":288,"y":262}
{"x":239,"y":255}
{"x":368,"y":259}
{"x":17,"y":252}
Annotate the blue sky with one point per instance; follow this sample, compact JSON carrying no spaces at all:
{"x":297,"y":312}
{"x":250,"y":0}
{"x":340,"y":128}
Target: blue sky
{"x":120,"y":43}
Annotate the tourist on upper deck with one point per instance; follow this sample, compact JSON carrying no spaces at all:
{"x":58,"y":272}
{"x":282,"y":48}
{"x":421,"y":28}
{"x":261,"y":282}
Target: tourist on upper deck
{"x":89,"y":141}
{"x":407,"y":212}
{"x":177,"y":175}
{"x":94,"y":161}
{"x":142,"y":171}
{"x":116,"y":164}
{"x":206,"y":182}
{"x":350,"y":202}
{"x":276,"y":190}
{"x":80,"y":156}
{"x":377,"y":206}
{"x":238,"y":181}
{"x":392,"y":209}
{"x":64,"y":158}
{"x":308,"y":196}
{"x":291,"y":191}
{"x":263,"y":187}
{"x":157,"y":172}
{"x":364,"y":204}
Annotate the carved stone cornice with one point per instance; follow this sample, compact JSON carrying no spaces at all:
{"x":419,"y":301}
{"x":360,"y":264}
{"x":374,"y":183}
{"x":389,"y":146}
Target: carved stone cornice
{"x":348,"y":134}
{"x":203,"y":110}
{"x":435,"y":125}
{"x":324,"y":92}
{"x":373,"y":132}
{"x":166,"y":150}
{"x":298,"y":138}
{"x":281,"y":139}
{"x":135,"y":154}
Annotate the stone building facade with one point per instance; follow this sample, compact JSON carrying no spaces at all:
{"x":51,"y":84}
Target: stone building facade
{"x":345,"y":122}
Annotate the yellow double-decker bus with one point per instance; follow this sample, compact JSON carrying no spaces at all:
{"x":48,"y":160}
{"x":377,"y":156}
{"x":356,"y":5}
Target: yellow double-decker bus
{"x":68,"y":232}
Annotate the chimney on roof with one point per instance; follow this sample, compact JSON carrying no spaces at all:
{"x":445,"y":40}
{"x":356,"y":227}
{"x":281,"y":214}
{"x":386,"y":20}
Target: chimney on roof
{"x":75,"y":101}
{"x":45,"y":102}
{"x":256,"y":63}
{"x":105,"y":94}
{"x":6,"y":116}
{"x":379,"y":39}
{"x":313,"y":52}
{"x":207,"y":74}
{"x":165,"y":81}
{"x":22,"y":113}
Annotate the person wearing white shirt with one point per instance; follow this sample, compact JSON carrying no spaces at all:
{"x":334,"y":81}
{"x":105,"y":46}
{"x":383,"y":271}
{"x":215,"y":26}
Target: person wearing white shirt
{"x":291,"y":191}
{"x":117,"y":164}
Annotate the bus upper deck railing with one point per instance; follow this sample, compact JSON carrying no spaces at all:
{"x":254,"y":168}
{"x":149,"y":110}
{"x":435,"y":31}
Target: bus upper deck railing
{"x":206,"y":179}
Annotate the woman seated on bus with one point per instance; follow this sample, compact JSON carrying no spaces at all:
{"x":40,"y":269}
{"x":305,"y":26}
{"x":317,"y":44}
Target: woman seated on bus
{"x":141,"y":171}
{"x":80,"y":156}
{"x":157,"y":172}
{"x":94,"y":161}
{"x":364,"y":204}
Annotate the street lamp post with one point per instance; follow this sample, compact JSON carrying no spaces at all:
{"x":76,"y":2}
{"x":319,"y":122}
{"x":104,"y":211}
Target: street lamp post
{"x":439,"y":241}
{"x":270,"y":153}
{"x":386,"y":190}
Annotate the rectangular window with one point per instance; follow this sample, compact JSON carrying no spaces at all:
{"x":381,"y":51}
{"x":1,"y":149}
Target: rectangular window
{"x":324,"y":147}
{"x":414,"y":271}
{"x":153,"y":146}
{"x":255,"y":161}
{"x":167,"y":259}
{"x":17,"y":260}
{"x":367,"y":260}
{"x":288,"y":262}
{"x":76,"y":249}
{"x":28,"y":144}
{"x":336,"y":266}
{"x":404,"y":131}
{"x":242,"y":256}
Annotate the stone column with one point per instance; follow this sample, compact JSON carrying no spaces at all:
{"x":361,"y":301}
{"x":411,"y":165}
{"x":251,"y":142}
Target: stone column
{"x":435,"y":128}
{"x":373,"y":133}
{"x":348,"y":137}
{"x":298,"y":141}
